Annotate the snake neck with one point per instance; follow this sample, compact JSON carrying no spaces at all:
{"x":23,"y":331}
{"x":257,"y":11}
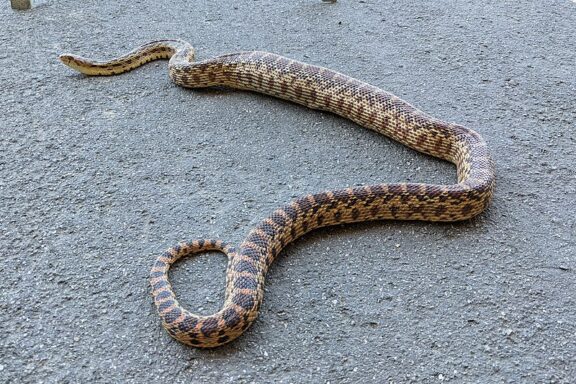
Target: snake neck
{"x":177,"y":50}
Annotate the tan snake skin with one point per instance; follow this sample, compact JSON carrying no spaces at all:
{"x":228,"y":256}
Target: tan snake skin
{"x":327,"y":90}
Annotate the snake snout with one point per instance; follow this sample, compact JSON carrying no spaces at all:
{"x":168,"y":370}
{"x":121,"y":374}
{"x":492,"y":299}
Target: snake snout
{"x":65,"y":58}
{"x":77,"y":63}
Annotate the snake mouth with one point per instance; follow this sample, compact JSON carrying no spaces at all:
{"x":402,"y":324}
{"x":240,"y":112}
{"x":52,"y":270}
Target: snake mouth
{"x":65,"y":58}
{"x":71,"y":60}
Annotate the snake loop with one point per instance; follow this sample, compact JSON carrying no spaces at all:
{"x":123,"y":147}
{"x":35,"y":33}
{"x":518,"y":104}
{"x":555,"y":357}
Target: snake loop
{"x":174,"y":317}
{"x":323,"y":89}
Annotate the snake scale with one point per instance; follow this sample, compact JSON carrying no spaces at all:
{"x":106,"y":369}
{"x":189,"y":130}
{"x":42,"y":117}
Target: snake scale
{"x":318,"y":88}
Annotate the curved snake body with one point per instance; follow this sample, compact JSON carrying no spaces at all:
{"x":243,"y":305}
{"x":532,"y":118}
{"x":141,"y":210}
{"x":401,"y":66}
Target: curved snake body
{"x":318,"y":88}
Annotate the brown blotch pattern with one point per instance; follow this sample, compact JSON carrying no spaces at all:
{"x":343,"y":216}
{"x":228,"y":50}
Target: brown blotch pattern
{"x":322,"y":89}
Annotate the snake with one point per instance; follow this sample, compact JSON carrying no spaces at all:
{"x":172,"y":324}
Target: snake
{"x":323,"y":89}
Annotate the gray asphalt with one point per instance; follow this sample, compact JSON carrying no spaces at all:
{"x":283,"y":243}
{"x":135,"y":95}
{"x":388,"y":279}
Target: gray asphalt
{"x":99,"y":175}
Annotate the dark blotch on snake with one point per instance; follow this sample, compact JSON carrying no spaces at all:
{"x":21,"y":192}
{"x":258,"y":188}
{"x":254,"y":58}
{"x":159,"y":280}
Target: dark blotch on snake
{"x":156,"y":274}
{"x":209,"y":326}
{"x":231,"y":318}
{"x":163,"y":295}
{"x":165,"y":305}
{"x":160,"y":284}
{"x":171,"y":316}
{"x":245,"y":282}
{"x":291,"y":212}
{"x":243,"y":300}
{"x":251,"y":253}
{"x":245,"y":266}
{"x":268,"y":229}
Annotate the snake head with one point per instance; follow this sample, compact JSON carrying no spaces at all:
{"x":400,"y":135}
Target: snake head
{"x":77,"y":63}
{"x":89,"y":67}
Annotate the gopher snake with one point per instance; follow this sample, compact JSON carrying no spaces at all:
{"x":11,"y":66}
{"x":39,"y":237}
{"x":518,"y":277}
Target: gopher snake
{"x":318,"y":88}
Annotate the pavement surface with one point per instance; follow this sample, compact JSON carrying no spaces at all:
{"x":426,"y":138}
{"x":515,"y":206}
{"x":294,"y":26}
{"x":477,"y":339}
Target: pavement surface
{"x":100,"y":175}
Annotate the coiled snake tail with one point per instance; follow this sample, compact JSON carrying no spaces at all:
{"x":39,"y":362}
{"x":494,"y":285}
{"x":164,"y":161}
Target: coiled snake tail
{"x":323,"y":89}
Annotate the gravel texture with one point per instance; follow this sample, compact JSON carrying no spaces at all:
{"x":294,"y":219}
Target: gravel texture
{"x":99,"y":175}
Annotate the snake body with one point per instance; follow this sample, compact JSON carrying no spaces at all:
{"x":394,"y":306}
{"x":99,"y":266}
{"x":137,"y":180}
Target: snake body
{"x":317,"y":88}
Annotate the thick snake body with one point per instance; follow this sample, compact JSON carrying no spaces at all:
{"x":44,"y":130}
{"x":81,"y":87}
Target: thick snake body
{"x":317,"y":88}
